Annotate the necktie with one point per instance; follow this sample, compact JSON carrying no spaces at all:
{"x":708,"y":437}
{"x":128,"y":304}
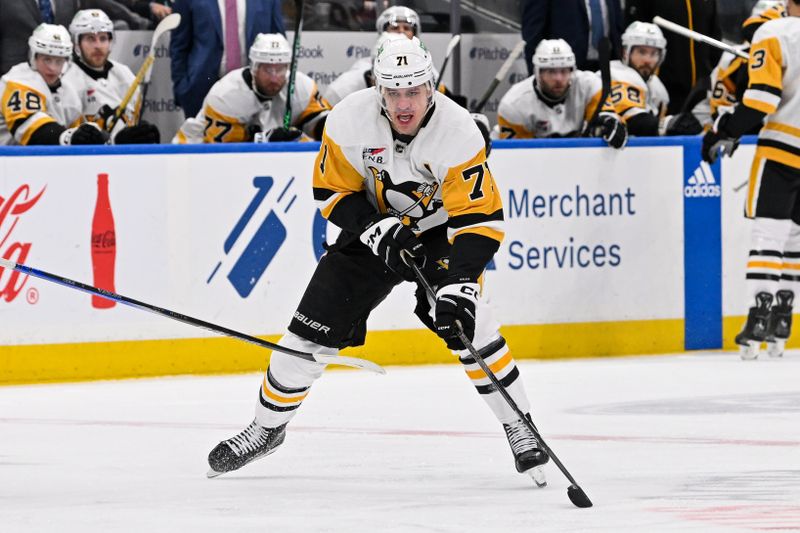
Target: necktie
{"x":597,"y":22}
{"x":233,"y":52}
{"x":46,"y":9}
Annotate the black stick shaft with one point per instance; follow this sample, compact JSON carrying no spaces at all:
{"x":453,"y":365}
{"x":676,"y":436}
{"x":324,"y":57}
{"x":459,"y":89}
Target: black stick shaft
{"x":604,"y":58}
{"x":298,"y":29}
{"x":502,"y":390}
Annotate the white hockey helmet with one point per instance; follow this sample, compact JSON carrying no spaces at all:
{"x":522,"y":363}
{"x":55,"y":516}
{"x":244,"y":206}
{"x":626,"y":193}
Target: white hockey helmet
{"x":391,"y":16}
{"x":553,"y":53}
{"x":763,"y":5}
{"x":382,"y":38}
{"x":270,"y":48}
{"x":403,"y":63}
{"x":89,"y":21}
{"x":49,"y":40}
{"x":643,"y":34}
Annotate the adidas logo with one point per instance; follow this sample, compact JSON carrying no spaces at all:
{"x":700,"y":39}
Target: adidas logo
{"x":702,"y":183}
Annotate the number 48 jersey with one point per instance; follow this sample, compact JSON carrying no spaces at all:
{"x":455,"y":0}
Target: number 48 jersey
{"x":437,"y":178}
{"x":27,"y":104}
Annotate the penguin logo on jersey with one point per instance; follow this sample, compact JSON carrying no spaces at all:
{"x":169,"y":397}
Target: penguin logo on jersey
{"x":410,"y":201}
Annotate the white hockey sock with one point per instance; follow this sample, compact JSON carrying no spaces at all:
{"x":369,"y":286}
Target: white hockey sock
{"x":287,"y":381}
{"x":498,"y":358}
{"x":765,"y":263}
{"x":790,"y":274}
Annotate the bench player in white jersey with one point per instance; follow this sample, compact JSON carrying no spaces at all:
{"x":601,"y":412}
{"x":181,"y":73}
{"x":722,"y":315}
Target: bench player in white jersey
{"x":401,"y":169}
{"x":36,"y":107}
{"x":557,"y":101}
{"x":248,"y":104}
{"x":102,"y":83}
{"x":637,"y":94}
{"x":773,"y":191}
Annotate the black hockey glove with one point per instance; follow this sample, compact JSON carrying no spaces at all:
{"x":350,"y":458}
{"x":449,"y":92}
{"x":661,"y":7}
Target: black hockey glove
{"x":683,"y":124}
{"x":613,"y":131}
{"x":482,"y":121}
{"x":387,"y":237}
{"x":717,"y":139}
{"x":455,"y":304}
{"x":142,"y":133}
{"x":86,"y":133}
{"x":278,"y":135}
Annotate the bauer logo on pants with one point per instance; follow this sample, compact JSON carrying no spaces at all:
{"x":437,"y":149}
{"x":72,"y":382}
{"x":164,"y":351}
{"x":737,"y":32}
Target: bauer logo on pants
{"x":252,"y":259}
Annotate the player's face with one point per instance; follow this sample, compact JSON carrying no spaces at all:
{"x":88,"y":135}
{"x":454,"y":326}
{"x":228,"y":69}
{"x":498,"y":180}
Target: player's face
{"x":50,"y":67}
{"x":644,"y":60}
{"x":401,"y":27}
{"x":406,"y":107}
{"x":270,"y":77}
{"x":555,"y":81}
{"x":95,"y":48}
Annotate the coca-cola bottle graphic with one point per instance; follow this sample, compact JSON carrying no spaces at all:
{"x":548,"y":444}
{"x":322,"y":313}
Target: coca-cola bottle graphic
{"x":104,"y":244}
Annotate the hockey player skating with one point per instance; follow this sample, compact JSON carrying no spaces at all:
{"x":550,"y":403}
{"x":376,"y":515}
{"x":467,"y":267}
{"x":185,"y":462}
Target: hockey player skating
{"x":102,"y":83}
{"x":248,"y":103}
{"x":773,"y":189}
{"x":401,"y":170}
{"x":36,"y":107}
{"x":557,"y":100}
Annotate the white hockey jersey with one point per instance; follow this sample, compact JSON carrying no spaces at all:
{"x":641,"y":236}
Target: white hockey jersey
{"x":774,"y":89}
{"x":27,"y":104}
{"x":99,"y":88}
{"x":439,"y":177}
{"x":349,"y":81}
{"x":232,"y":107}
{"x":631,"y":95}
{"x":522,"y":114}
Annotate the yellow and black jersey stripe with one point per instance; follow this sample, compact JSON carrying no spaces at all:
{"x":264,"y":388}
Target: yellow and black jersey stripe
{"x":626,"y":99}
{"x":334,"y":177}
{"x":765,"y":69}
{"x":723,"y":92}
{"x":509,"y":130}
{"x":221,"y":128}
{"x":316,"y":108}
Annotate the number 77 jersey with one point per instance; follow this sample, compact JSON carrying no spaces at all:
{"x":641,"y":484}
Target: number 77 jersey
{"x":437,"y":178}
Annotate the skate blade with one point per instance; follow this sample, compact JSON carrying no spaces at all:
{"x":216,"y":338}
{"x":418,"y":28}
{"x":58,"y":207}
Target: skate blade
{"x":775,"y":349}
{"x":749,"y":352}
{"x":211,"y":474}
{"x":537,"y":474}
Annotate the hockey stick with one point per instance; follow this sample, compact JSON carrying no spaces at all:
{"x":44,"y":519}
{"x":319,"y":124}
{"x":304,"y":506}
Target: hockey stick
{"x":501,"y":74}
{"x":604,"y":58}
{"x":450,"y":47}
{"x":318,"y":358}
{"x":168,"y":23}
{"x":298,"y":29}
{"x":576,"y":494}
{"x":695,"y":36}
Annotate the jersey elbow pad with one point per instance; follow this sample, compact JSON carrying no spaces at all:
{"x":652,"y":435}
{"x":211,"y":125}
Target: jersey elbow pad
{"x":48,"y":133}
{"x":470,"y":254}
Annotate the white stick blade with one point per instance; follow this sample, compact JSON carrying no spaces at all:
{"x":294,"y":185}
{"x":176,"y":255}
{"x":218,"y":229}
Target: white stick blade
{"x":354,"y":362}
{"x":453,"y":43}
{"x":168,"y":23}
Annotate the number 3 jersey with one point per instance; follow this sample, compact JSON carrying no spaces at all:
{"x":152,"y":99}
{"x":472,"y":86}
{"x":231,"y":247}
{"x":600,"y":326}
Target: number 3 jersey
{"x":232,"y":108}
{"x":437,"y":179}
{"x":28,"y":105}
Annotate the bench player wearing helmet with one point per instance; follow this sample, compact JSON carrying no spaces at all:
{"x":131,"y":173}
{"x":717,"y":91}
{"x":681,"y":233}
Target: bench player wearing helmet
{"x":557,"y":101}
{"x":401,"y":170}
{"x":35,"y":106}
{"x":249,"y":103}
{"x":102,"y":83}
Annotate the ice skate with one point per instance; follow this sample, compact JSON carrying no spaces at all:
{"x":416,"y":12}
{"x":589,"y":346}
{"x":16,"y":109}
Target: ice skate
{"x":252,"y":443}
{"x":528,"y":456}
{"x":779,"y":325}
{"x":755,"y":329}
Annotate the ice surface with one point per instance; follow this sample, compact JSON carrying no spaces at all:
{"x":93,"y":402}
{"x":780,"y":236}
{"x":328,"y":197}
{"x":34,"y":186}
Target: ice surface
{"x":701,"y":442}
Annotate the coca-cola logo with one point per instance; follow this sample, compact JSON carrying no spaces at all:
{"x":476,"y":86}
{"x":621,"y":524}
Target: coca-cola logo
{"x":11,"y":209}
{"x":105,"y":240}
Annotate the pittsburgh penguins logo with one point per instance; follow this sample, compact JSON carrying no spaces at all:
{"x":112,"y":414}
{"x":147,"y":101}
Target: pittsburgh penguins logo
{"x":410,"y":201}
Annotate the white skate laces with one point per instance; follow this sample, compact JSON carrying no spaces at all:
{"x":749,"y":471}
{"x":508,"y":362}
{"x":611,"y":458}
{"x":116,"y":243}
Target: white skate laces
{"x":250,"y":439}
{"x":520,"y":437}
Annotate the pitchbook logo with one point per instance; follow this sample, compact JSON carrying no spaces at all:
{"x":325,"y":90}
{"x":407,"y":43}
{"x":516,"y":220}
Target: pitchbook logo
{"x":252,"y":259}
{"x":11,"y":210}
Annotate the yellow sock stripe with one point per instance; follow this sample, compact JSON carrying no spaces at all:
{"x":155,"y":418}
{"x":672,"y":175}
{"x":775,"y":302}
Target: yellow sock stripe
{"x":495,"y":367}
{"x":764,"y":264}
{"x":280,"y":399}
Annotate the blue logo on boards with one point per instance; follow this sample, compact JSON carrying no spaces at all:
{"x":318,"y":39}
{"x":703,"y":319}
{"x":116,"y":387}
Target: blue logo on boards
{"x":265,"y":243}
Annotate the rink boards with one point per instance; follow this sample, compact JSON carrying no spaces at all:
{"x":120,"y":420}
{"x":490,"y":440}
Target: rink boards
{"x":606,"y":252}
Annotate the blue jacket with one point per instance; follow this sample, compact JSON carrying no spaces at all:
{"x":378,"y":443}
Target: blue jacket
{"x":196,"y":45}
{"x":568,"y":20}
